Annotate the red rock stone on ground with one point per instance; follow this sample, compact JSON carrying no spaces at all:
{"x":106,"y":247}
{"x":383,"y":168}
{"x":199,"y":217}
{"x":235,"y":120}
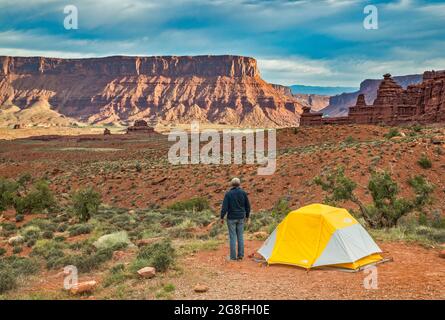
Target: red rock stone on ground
{"x":83,"y":287}
{"x":147,"y":272}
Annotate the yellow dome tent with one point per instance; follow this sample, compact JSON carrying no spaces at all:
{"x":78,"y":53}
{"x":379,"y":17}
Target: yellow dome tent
{"x":319,"y":235}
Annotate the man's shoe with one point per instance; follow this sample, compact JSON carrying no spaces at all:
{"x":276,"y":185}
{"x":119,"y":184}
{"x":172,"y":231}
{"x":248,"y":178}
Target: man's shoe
{"x":230,"y":259}
{"x":240,"y":258}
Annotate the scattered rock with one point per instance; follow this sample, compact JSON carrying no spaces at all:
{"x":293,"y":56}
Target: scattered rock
{"x":158,"y":181}
{"x":200,"y":288}
{"x":438,"y":140}
{"x":83,"y":287}
{"x":118,"y":255}
{"x":147,"y":272}
{"x":442,"y":254}
{"x":17,"y":126}
{"x":260,"y":235}
{"x":16,"y":240}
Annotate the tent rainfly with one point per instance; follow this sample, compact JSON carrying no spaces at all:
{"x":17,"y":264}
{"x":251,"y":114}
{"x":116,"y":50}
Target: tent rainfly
{"x":319,"y":235}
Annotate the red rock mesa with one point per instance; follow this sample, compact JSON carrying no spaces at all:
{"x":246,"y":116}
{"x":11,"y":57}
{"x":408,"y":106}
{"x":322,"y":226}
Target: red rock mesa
{"x":420,"y":103}
{"x":217,"y":89}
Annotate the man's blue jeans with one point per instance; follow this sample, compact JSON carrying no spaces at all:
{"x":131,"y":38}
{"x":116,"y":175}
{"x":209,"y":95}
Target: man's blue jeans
{"x":236,"y":229}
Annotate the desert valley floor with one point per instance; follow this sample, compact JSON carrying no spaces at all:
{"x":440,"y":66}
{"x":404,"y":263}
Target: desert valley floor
{"x":135,"y":179}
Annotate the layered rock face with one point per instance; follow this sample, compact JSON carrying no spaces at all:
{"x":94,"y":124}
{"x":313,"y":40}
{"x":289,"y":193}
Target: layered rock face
{"x":217,"y":89}
{"x":339,"y":105}
{"x":421,"y":103}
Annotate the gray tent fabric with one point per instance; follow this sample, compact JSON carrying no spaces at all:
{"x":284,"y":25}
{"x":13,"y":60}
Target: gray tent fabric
{"x":347,"y":245}
{"x":266,"y":249}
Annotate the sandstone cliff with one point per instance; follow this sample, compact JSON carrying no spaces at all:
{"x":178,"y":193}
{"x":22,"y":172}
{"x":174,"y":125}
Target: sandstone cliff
{"x":314,"y":101}
{"x":217,"y":89}
{"x":339,"y":104}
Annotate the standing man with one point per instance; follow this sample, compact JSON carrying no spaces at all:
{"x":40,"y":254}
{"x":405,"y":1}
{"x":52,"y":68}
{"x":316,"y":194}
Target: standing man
{"x":237,"y":207}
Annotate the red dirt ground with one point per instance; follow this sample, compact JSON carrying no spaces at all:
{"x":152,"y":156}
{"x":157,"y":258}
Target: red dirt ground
{"x":415,"y":273}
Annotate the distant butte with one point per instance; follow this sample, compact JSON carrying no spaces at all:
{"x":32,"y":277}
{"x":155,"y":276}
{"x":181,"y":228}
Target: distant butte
{"x":419,"y":103}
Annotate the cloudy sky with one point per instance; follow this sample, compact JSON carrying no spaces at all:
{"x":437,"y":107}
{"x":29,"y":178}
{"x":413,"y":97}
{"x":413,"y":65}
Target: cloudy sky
{"x":312,"y":42}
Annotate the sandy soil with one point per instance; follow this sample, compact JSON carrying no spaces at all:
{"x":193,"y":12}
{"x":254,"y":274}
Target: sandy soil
{"x":415,"y":273}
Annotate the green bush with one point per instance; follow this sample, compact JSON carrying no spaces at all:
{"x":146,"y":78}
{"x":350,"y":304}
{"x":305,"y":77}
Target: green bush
{"x":79,"y":229}
{"x":160,"y":255}
{"x":84,"y":262}
{"x":349,"y":140}
{"x":113,"y":241}
{"x":38,"y":199}
{"x":2,"y":251}
{"x":387,"y":208}
{"x":425,"y":162}
{"x":393,"y":132}
{"x":31,"y":233}
{"x":19,"y":218}
{"x":423,"y":190}
{"x":48,"y":235}
{"x":20,"y":265}
{"x":8,"y":191}
{"x":281,"y":208}
{"x":8,"y":280}
{"x":86,"y":203}
{"x":194,"y":204}
{"x":17,"y":249}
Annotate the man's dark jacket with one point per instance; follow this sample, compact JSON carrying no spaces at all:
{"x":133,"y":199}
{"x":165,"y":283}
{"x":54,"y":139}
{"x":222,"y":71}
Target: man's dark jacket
{"x":236,"y":204}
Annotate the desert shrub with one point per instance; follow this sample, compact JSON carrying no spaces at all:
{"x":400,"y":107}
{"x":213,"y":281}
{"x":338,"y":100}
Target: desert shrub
{"x":194,"y":204}
{"x":8,"y":191}
{"x":417,"y":128}
{"x":43,"y":224}
{"x":19,"y":218}
{"x":2,"y":251}
{"x":422,"y":219}
{"x":387,"y":208}
{"x":8,"y":280}
{"x":118,"y":240}
{"x":340,"y":187}
{"x":17,"y":249}
{"x":31,"y":243}
{"x":20,"y":265}
{"x":31,"y":233}
{"x":83,"y":262}
{"x":424,"y":162}
{"x":393,"y":132}
{"x":281,"y":208}
{"x":79,"y":229}
{"x":160,"y":255}
{"x":7,"y":229}
{"x":24,"y":179}
{"x":62,"y":227}
{"x":50,"y":250}
{"x":48,"y":235}
{"x":349,"y":140}
{"x":85,"y":203}
{"x":38,"y":199}
{"x":423,"y":190}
